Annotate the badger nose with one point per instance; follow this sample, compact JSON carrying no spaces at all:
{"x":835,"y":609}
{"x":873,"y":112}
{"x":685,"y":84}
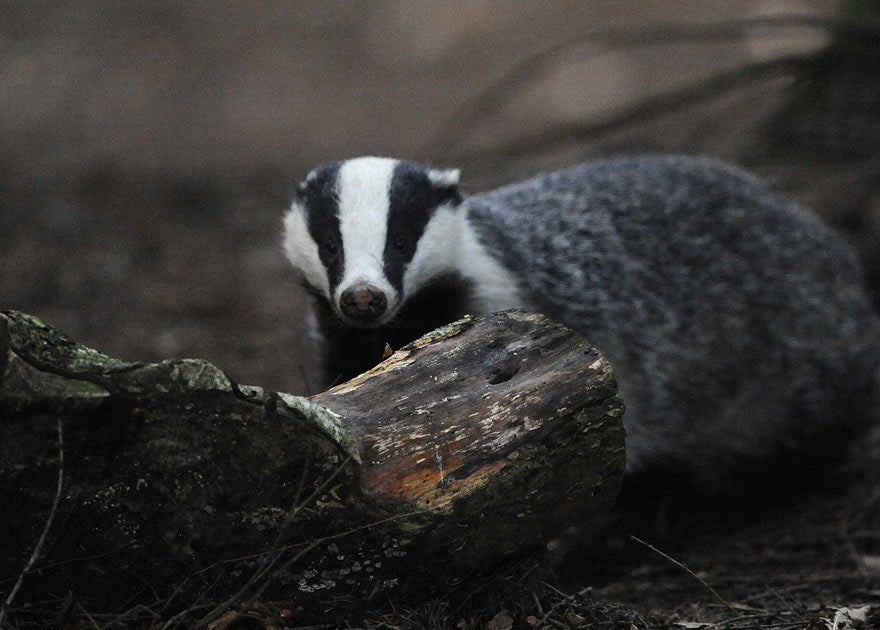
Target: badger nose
{"x":363,"y":302}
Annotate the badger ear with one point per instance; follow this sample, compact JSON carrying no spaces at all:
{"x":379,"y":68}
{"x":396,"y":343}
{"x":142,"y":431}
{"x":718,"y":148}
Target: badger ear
{"x":445,"y":183}
{"x":299,"y":193}
{"x":444,"y":177}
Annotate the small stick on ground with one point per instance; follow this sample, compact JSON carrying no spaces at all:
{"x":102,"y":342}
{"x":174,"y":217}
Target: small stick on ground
{"x":38,"y":548}
{"x":272,"y":557}
{"x":682,"y":566}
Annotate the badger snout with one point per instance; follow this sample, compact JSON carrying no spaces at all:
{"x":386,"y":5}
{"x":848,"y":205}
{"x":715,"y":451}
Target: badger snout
{"x":364,"y":303}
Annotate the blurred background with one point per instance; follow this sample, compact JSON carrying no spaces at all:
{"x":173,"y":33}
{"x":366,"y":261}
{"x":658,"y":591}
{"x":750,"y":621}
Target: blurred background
{"x":148,"y":149}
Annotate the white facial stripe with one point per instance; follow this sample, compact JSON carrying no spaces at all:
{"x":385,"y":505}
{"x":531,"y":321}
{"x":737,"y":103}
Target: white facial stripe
{"x":438,"y":250}
{"x":364,"y":185}
{"x":450,"y":244}
{"x":302,"y":251}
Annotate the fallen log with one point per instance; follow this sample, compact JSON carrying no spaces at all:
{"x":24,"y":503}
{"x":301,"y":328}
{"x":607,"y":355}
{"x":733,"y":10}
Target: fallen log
{"x":168,"y":489}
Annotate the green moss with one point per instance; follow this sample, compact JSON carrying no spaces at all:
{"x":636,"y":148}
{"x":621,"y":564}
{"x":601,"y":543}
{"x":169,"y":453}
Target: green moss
{"x":444,"y":332}
{"x":198,"y":374}
{"x":42,"y":345}
{"x":325,"y":421}
{"x":25,"y":384}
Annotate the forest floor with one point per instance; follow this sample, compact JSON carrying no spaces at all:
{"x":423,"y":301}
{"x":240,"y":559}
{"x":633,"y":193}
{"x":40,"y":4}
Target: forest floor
{"x":813,"y":563}
{"x":197,"y":271}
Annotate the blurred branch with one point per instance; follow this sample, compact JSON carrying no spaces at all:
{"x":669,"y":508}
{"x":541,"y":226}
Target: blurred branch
{"x":443,"y":141}
{"x":645,"y":109}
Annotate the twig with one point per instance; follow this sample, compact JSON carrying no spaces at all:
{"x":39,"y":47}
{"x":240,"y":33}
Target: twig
{"x":284,"y":566}
{"x":324,"y":539}
{"x":567,"y":599}
{"x":645,"y":109}
{"x":273,"y":554}
{"x":682,"y":566}
{"x":89,"y":617}
{"x":4,"y":610}
{"x":791,"y":604}
{"x":537,"y":601}
{"x":319,"y":541}
{"x":96,"y":556}
{"x":173,"y":621}
{"x":132,"y":612}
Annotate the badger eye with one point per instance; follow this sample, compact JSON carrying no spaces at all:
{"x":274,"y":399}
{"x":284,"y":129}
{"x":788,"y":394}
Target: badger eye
{"x":401,"y":243}
{"x":330,"y":249}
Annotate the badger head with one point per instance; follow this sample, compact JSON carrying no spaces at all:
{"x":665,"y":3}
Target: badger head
{"x":367,"y":233}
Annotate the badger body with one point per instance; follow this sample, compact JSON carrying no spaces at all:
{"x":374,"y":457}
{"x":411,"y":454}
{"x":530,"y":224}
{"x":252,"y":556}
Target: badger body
{"x":739,"y":333}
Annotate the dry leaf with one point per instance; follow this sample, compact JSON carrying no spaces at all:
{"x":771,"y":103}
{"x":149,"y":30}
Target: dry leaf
{"x":501,"y":621}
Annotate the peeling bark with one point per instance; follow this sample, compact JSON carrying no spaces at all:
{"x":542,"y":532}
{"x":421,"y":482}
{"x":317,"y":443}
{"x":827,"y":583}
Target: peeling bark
{"x":473,"y":445}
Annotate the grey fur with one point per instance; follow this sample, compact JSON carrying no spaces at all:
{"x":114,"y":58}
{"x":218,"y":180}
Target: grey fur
{"x":744,"y":346}
{"x":736,"y":324}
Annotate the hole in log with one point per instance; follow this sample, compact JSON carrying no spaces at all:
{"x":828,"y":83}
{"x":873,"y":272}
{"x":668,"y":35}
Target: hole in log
{"x":502,"y":373}
{"x":501,"y":366}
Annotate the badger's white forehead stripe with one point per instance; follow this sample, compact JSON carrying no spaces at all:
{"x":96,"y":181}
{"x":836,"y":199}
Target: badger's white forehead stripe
{"x":364,"y":186}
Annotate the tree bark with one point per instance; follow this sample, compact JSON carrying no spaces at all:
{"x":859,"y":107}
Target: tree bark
{"x":470,"y":447}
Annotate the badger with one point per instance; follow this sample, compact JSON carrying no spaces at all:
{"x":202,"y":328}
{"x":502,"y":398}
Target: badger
{"x":742,"y":341}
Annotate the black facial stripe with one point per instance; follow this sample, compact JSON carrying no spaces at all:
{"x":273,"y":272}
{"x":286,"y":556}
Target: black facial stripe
{"x":413,"y":201}
{"x":321,"y":200}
